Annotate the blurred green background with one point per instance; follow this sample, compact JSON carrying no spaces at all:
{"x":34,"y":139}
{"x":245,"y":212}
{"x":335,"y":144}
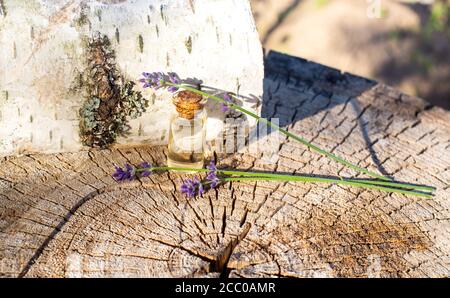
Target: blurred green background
{"x":405,"y":44}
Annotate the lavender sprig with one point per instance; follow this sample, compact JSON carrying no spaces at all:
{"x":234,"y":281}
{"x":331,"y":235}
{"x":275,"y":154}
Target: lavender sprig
{"x":227,"y":98}
{"x":212,"y":177}
{"x":197,"y":187}
{"x":158,"y":80}
{"x":129,"y":172}
{"x":125,"y":173}
{"x":192,"y":187}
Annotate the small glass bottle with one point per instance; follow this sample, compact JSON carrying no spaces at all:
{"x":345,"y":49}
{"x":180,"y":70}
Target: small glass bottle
{"x":187,"y":131}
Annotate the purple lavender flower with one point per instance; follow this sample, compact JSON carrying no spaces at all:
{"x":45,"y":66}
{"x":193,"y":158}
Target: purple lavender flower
{"x":174,"y":78}
{"x":227,"y":98}
{"x":146,"y":167}
{"x":191,"y":186}
{"x":172,"y":89}
{"x":201,"y":189}
{"x":211,"y":177}
{"x":126,"y":173}
{"x":153,"y":80}
{"x":157,"y":80}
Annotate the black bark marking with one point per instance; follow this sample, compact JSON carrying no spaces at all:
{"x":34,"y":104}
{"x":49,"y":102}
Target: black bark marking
{"x":238,"y":86}
{"x":188,"y":44}
{"x":192,"y":4}
{"x":2,"y":9}
{"x":163,"y":16}
{"x":14,"y":50}
{"x":98,"y":13}
{"x":117,"y":34}
{"x":217,"y":34}
{"x":141,"y":43}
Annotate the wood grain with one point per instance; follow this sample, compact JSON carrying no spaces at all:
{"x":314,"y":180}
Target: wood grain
{"x":62,"y":215}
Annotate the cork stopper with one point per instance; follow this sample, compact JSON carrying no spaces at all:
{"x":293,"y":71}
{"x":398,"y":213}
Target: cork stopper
{"x":187,"y":103}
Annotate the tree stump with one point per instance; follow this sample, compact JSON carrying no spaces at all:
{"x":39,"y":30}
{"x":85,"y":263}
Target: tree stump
{"x":63,"y":215}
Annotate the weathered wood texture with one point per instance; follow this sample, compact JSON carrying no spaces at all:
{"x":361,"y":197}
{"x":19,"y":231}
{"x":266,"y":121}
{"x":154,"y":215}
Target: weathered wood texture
{"x":63,"y":215}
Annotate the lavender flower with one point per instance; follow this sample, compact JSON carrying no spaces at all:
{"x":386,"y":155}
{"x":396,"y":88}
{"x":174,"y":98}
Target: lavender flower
{"x":173,"y":78}
{"x":153,"y":80}
{"x":191,"y":187}
{"x":157,"y":80}
{"x":126,"y":173}
{"x":211,"y":177}
{"x":227,"y":98}
{"x":146,"y":167}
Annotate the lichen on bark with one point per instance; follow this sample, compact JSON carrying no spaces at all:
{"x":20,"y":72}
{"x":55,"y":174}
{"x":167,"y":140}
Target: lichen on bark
{"x":110,"y":98}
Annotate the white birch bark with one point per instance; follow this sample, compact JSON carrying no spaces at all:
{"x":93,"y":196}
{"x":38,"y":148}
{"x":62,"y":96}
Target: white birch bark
{"x":43,"y":62}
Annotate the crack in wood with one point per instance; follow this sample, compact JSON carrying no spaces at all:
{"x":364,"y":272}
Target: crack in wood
{"x":220,"y":264}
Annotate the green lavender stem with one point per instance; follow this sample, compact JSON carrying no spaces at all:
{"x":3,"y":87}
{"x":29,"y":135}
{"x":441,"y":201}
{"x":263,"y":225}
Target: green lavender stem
{"x":284,"y":131}
{"x":380,"y":185}
{"x":337,"y":181}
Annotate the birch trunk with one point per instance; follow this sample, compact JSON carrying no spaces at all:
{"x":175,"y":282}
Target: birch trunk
{"x":64,"y":63}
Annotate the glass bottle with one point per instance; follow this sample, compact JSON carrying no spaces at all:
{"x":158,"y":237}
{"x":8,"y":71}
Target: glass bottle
{"x":187,"y":131}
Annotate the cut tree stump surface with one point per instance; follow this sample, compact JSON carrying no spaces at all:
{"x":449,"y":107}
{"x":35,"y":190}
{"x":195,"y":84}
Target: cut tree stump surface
{"x":63,"y":215}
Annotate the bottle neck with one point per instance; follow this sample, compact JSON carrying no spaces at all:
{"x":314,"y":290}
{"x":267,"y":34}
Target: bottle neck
{"x":188,"y":104}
